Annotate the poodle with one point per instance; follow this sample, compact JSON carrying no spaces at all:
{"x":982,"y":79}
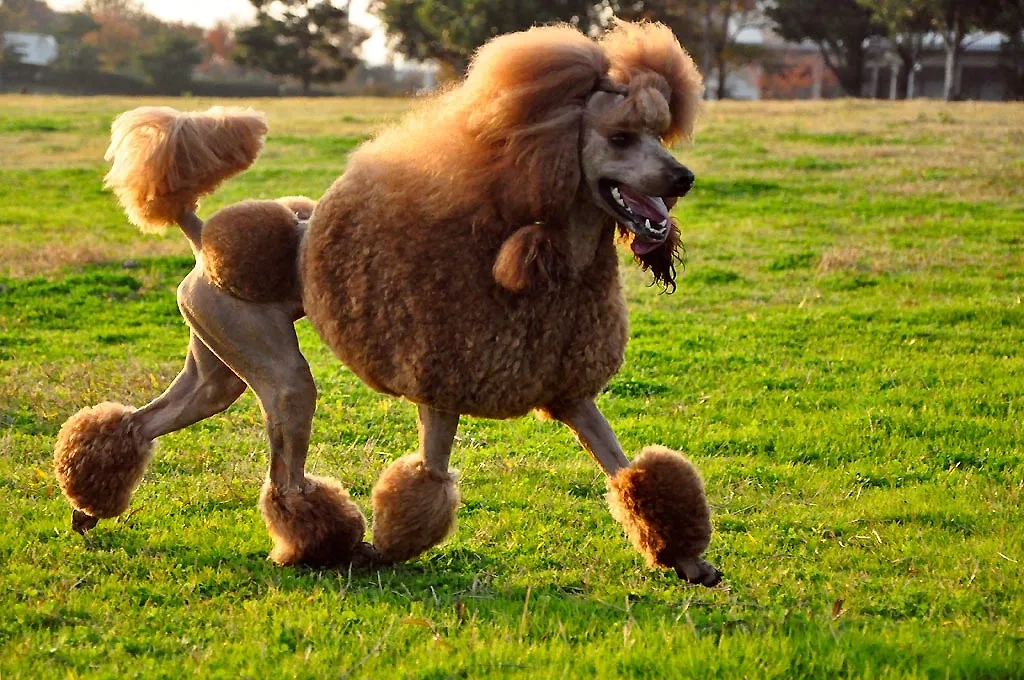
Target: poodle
{"x":466,"y":260}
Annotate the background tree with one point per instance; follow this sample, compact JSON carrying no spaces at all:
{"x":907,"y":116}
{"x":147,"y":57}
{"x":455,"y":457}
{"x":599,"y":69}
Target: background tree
{"x":1009,"y":20}
{"x":707,"y":28}
{"x":26,"y":16}
{"x":74,"y":55}
{"x":169,"y":63}
{"x":840,"y":28}
{"x":308,"y":40}
{"x":449,"y":31}
{"x":906,"y":24}
{"x":954,"y":20}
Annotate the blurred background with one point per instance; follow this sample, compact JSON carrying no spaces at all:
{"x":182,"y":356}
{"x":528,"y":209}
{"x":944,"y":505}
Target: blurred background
{"x":746,"y":49}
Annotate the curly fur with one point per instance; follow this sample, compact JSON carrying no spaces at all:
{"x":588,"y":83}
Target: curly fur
{"x":250,"y":249}
{"x":413,"y":509}
{"x":99,"y":459}
{"x":415,"y":258}
{"x":659,"y":499}
{"x":648,"y":54}
{"x":318,"y":525}
{"x":163,"y":161}
{"x":466,"y":260}
{"x":300,"y":205}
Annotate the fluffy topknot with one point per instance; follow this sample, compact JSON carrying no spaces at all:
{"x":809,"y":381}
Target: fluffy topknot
{"x":639,"y":49}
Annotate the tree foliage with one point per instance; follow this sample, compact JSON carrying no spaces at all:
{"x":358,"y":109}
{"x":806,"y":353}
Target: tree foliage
{"x":840,"y":28}
{"x":309,"y":40}
{"x":169,"y":63}
{"x":449,"y":31}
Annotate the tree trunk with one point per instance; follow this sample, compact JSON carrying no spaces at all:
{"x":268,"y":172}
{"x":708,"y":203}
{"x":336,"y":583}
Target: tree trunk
{"x":951,"y":39}
{"x":707,"y":62}
{"x":947,"y":85}
{"x":721,"y":43}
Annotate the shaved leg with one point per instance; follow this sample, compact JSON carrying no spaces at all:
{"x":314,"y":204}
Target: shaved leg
{"x":258,"y":343}
{"x":437,"y":434}
{"x":596,"y":435}
{"x":204,"y":388}
{"x":311,"y":520}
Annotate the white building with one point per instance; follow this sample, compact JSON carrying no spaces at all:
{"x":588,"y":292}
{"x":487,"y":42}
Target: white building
{"x":35,"y":49}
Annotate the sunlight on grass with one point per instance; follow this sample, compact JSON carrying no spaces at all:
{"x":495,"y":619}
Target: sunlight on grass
{"x":842,"y":360}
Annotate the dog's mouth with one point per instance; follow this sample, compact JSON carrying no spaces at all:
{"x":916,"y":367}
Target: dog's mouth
{"x":646,"y":216}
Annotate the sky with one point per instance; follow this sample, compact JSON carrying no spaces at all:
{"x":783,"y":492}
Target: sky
{"x":208,"y":12}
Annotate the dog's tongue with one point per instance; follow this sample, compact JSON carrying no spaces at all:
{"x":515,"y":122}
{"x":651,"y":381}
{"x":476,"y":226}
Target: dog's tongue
{"x":651,"y":207}
{"x":643,"y":247}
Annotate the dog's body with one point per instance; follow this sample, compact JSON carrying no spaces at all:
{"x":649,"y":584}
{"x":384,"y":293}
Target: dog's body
{"x":465,"y":260}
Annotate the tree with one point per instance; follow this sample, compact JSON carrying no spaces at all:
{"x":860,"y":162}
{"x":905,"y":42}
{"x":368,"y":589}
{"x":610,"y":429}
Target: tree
{"x":450,"y":31}
{"x":1010,"y":22}
{"x":906,"y":24}
{"x":711,"y":24}
{"x":308,"y":40}
{"x":168,"y":65}
{"x":75,"y":55}
{"x":953,"y":20}
{"x":28,"y":16}
{"x":840,"y":28}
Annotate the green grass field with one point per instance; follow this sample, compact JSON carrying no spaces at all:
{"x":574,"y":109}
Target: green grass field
{"x":843,"y":360}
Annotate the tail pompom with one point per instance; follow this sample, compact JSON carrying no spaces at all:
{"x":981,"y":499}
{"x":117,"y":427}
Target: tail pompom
{"x":163,"y":161}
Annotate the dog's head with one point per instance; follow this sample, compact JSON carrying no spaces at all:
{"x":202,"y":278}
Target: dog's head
{"x":625,"y":164}
{"x":573,"y":124}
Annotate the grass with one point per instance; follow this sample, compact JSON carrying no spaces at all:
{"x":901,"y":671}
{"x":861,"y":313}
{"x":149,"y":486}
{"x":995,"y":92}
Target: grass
{"x":842,"y":360}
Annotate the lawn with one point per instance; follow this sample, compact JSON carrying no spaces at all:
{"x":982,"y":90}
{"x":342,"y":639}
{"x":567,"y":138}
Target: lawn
{"x":843,"y":361}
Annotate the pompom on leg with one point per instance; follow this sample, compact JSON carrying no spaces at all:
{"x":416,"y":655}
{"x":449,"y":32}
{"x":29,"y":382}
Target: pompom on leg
{"x":660,"y":501}
{"x":414,"y":508}
{"x":316,"y":525}
{"x":99,"y":460}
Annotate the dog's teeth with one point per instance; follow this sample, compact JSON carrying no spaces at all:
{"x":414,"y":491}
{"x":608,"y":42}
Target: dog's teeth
{"x":615,"y":193}
{"x":647,"y":223}
{"x":663,"y":224}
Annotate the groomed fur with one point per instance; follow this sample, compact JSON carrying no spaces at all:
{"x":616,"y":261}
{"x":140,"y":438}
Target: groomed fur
{"x":637,"y":50}
{"x":413,"y":509}
{"x":163,"y":161}
{"x":300,"y":205}
{"x":529,"y":260}
{"x":99,"y":459}
{"x":250,"y":249}
{"x":659,"y":499}
{"x":317,"y":526}
{"x":398,"y":265}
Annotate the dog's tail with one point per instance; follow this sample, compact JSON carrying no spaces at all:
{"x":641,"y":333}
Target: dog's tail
{"x":163,"y":161}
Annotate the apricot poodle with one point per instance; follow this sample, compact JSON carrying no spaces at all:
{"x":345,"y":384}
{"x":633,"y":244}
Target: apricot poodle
{"x":465,"y":260}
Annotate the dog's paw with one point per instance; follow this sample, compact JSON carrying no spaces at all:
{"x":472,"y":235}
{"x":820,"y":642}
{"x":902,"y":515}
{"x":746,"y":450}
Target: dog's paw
{"x":698,"y":572}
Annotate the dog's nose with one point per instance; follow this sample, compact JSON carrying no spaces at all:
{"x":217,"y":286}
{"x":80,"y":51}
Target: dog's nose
{"x":683,"y":182}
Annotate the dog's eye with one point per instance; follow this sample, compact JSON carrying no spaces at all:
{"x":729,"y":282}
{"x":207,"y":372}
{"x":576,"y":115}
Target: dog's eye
{"x":622,"y":139}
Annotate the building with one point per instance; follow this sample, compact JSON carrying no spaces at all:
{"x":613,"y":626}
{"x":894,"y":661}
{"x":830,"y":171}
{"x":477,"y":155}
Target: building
{"x":34,"y":49}
{"x":978,"y":74}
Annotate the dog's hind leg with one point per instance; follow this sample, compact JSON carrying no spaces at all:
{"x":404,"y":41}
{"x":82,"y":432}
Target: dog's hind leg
{"x":658,"y":498}
{"x":103,"y":451}
{"x":416,"y":498}
{"x":311,"y":519}
{"x":204,"y":388}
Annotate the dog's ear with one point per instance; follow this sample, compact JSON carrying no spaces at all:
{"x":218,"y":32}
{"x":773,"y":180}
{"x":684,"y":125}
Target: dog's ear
{"x":546,"y":169}
{"x":529,"y":260}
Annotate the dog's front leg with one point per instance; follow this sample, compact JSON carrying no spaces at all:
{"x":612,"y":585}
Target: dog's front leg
{"x":658,"y":498}
{"x":416,"y":499}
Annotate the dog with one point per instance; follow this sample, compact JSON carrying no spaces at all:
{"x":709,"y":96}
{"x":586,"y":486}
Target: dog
{"x":466,"y":260}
